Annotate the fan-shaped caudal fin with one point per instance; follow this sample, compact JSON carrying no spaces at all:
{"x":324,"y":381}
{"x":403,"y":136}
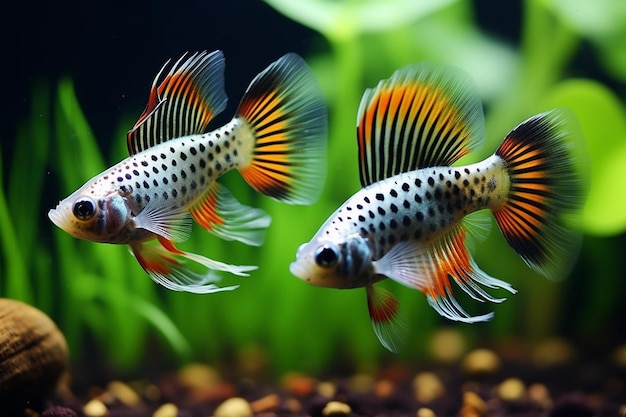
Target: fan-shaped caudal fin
{"x":384,"y":311}
{"x":547,"y":188}
{"x":166,"y":265}
{"x":287,"y":117}
{"x":424,"y":115}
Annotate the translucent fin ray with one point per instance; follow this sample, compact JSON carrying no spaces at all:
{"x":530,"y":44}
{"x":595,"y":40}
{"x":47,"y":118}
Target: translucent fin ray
{"x":286,"y":113}
{"x":384,"y":310}
{"x":165,"y":221}
{"x":221,"y":214}
{"x":430,"y":267}
{"x":547,"y":189}
{"x":184,"y":103}
{"x":165,"y":264}
{"x":424,"y":115}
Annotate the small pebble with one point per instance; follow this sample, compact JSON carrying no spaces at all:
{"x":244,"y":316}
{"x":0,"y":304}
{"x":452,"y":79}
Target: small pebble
{"x":298,"y":384}
{"x":447,"y":345}
{"x":95,"y":408}
{"x":511,"y":389}
{"x":268,"y":403}
{"x":361,"y":383}
{"x":473,"y":405}
{"x":384,"y":388}
{"x":166,"y":410}
{"x":336,"y":408}
{"x":425,"y":412}
{"x":124,"y":393}
{"x":199,"y":376}
{"x":481,"y":362}
{"x":553,"y":352}
{"x":234,"y":407}
{"x":540,"y":395}
{"x":427,"y":387}
{"x":326,"y":389}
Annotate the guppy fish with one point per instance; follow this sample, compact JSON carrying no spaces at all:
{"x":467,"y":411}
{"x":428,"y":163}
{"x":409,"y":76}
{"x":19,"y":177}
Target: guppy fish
{"x":413,"y":220}
{"x":276,"y":140}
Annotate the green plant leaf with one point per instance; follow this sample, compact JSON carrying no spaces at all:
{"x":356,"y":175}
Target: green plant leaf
{"x":603,"y":122}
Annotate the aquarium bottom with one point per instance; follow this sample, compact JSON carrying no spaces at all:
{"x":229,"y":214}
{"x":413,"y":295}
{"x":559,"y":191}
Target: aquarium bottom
{"x":480,"y":383}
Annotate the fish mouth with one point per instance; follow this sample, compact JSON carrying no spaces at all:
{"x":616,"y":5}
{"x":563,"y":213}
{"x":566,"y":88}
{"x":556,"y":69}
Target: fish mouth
{"x":296,"y":269}
{"x":55,"y":216}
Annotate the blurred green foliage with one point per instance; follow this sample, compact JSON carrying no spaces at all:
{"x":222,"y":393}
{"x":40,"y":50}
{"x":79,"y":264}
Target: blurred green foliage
{"x":99,"y":293}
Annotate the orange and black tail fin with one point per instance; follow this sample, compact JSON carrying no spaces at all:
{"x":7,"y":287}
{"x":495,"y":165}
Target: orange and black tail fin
{"x":546,"y":167}
{"x":286,"y":113}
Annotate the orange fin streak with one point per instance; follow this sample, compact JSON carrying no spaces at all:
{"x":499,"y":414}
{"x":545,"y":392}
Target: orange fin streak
{"x":384,"y":311}
{"x":286,"y":114}
{"x":221,"y":214}
{"x":424,"y":115}
{"x":184,"y":103}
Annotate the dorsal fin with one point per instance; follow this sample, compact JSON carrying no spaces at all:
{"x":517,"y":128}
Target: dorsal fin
{"x":184,"y":103}
{"x":424,"y":115}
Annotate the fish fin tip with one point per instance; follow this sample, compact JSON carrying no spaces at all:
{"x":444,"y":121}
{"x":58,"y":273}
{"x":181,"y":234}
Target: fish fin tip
{"x":384,"y":309}
{"x":548,"y":186}
{"x":181,"y":102}
{"x":423,"y":115}
{"x":165,"y":264}
{"x":286,"y":112}
{"x":221,"y":214}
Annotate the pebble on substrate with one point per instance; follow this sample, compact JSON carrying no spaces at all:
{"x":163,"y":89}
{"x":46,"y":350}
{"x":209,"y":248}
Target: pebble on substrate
{"x":425,"y":412}
{"x":473,"y":405}
{"x":123,"y":393}
{"x":427,"y":387}
{"x":511,"y":389}
{"x":166,"y":410}
{"x":447,"y":345}
{"x":336,"y":408}
{"x":481,"y":362}
{"x":264,"y":404}
{"x":540,"y":395}
{"x":95,"y":408}
{"x":234,"y":407}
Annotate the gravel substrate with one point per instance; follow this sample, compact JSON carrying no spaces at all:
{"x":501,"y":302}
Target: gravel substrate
{"x":479,"y":383}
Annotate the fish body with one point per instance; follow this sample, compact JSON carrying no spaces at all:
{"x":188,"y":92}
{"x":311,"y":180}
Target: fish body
{"x":417,"y":216}
{"x":276,"y":141}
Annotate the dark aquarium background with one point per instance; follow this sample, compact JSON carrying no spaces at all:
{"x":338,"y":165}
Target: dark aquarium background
{"x":76,"y":75}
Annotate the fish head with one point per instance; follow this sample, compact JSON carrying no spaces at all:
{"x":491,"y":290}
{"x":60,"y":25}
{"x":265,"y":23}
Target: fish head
{"x":335,"y":264}
{"x":89,"y":216}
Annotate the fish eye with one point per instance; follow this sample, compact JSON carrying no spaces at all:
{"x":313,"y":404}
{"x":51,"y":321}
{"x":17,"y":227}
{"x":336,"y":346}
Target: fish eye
{"x":327,"y":255}
{"x":84,"y":209}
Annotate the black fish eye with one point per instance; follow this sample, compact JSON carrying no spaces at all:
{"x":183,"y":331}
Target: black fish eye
{"x":84,"y":209}
{"x":327,"y":255}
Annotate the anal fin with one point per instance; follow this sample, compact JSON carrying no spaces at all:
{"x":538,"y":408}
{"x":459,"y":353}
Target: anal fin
{"x":429,"y":267}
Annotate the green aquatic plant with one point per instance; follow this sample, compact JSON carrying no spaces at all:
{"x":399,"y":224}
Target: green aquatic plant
{"x":99,"y":295}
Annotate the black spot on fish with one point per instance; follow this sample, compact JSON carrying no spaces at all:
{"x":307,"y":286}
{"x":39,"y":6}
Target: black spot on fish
{"x":393,"y":223}
{"x":419,"y":216}
{"x":393,"y":193}
{"x":359,"y":206}
{"x":145,"y":185}
{"x":382,"y":226}
{"x":154,"y":157}
{"x":418,"y":198}
{"x":466,"y":183}
{"x":183,"y":174}
{"x":218,"y":149}
{"x":441,"y":208}
{"x":467,"y":171}
{"x":193,"y":184}
{"x":163,"y":167}
{"x":137,"y":185}
{"x":431,"y":181}
{"x":438,"y":194}
{"x":163,"y":156}
{"x":406,"y":204}
{"x":174,"y":163}
{"x":456,"y":189}
{"x":174,"y":193}
{"x":372,"y":228}
{"x":363,"y":231}
{"x":217,"y":135}
{"x":128,"y":176}
{"x":183,"y":189}
{"x":380,"y":197}
{"x":393,"y":208}
{"x":155,"y":182}
{"x":135,"y":173}
{"x":218,"y":166}
{"x":405,"y":187}
{"x":406,"y":220}
{"x":165,"y":195}
{"x":120,"y":179}
{"x":235,"y":153}
{"x":441,"y":177}
{"x":392,"y":240}
{"x":227,"y":145}
{"x":457,"y":174}
{"x":417,"y":234}
{"x":174,"y":177}
{"x":192,"y":168}
{"x":138,"y":199}
{"x":211,"y":143}
{"x":172,"y":150}
{"x":476,"y":180}
{"x":146,"y":174}
{"x":361,"y":218}
{"x":381,"y":211}
{"x":183,"y":156}
{"x":428,"y":195}
{"x":371,"y":214}
{"x":202,"y":163}
{"x":193,"y":150}
{"x":155,"y":170}
{"x":202,"y":147}
{"x":165,"y":180}
{"x":382,"y":241}
{"x":367,"y":200}
{"x":431,"y":212}
{"x":202,"y":180}
{"x":147,"y":198}
{"x":449,"y":184}
{"x":418,"y":182}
